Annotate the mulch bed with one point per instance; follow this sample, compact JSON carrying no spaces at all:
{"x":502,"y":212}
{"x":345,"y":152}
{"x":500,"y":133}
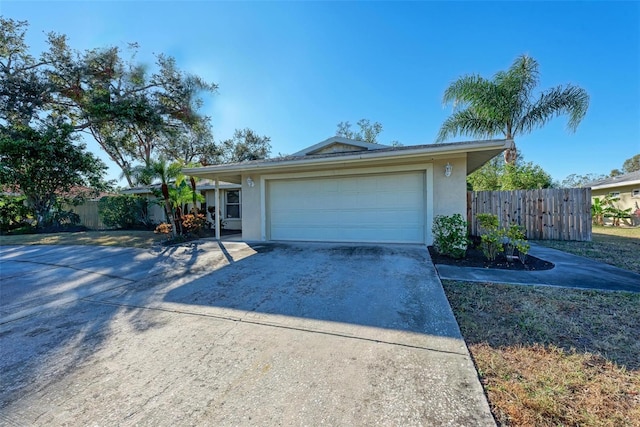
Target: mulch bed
{"x":475,"y":258}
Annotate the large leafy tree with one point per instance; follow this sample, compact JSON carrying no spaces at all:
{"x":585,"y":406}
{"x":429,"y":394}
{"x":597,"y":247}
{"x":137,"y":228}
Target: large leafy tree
{"x":115,"y":100}
{"x":45,"y":163}
{"x":497,"y":175}
{"x":632,"y":164}
{"x":578,"y":181}
{"x":191,"y":144}
{"x":128,"y":111}
{"x":245,"y":145}
{"x":507,"y":105}
{"x":24,"y":90}
{"x":368,"y":131}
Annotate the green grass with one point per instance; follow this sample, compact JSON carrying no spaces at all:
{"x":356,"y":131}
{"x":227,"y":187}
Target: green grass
{"x":550,"y":356}
{"x":127,"y":238}
{"x":613,"y":245}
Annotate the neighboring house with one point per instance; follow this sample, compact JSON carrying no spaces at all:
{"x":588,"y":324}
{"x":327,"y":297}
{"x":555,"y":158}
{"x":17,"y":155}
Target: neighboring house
{"x":341,"y":190}
{"x":230,"y":202}
{"x":623,"y":189}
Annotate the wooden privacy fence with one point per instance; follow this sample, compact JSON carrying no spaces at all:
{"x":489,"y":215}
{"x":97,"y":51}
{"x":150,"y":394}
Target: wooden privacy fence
{"x":546,"y":214}
{"x":89,"y":217}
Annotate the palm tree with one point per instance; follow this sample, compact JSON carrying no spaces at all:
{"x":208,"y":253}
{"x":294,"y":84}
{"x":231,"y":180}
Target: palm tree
{"x":167,"y":172}
{"x":506,"y":104}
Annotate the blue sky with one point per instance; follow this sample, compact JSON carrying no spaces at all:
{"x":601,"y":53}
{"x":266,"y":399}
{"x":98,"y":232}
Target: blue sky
{"x":293,"y":70}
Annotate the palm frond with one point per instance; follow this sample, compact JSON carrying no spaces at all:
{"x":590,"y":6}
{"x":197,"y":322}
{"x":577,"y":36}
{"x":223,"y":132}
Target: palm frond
{"x":571,"y":100}
{"x":468,"y":122}
{"x":469,"y":89}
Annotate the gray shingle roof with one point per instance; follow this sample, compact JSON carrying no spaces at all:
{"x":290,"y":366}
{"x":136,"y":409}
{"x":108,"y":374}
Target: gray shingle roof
{"x":615,"y":180}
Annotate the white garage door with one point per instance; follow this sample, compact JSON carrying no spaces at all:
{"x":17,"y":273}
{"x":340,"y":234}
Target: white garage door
{"x":368,"y":208}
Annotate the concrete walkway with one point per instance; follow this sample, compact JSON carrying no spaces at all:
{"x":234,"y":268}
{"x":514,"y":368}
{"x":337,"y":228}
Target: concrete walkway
{"x":231,"y":334}
{"x":570,"y":271}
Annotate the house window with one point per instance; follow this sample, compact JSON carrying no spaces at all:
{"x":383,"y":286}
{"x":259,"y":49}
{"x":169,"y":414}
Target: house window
{"x":233,"y":204}
{"x":614,"y":194}
{"x":635,"y":192}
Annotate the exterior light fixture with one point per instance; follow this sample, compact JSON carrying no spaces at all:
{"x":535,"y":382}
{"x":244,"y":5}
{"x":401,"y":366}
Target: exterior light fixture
{"x":447,"y":169}
{"x":250,"y":182}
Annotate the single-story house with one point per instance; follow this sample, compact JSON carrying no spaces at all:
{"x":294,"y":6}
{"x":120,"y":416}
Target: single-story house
{"x":230,"y":202}
{"x":623,"y":189}
{"x":341,"y":190}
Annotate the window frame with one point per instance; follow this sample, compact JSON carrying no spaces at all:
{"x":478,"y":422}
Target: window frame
{"x":227,"y":204}
{"x":635,"y":193}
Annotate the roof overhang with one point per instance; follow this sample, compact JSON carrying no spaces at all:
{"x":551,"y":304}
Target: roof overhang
{"x":616,"y":184}
{"x":476,"y":152}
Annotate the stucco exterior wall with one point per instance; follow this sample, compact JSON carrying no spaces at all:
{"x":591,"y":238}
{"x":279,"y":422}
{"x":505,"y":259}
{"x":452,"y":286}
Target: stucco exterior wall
{"x":450,"y":193}
{"x":625,"y":201}
{"x":251,"y":208}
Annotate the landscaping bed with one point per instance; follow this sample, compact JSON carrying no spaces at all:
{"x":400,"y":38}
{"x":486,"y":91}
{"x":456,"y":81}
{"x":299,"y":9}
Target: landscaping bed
{"x":475,"y":258}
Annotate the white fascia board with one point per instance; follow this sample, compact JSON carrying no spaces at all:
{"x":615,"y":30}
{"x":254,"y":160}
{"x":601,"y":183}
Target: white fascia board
{"x":434,"y":149}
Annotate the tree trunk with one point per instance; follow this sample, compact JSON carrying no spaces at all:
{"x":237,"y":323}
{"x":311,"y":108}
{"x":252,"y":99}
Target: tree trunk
{"x":168,"y":210}
{"x":510,"y":155}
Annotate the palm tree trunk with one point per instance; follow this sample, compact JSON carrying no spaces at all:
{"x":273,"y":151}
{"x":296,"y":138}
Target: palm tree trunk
{"x":168,"y":209}
{"x":510,"y":155}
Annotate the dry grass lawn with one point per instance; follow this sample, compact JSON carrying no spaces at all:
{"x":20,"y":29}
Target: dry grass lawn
{"x":127,"y":238}
{"x":614,"y":245}
{"x":550,"y":356}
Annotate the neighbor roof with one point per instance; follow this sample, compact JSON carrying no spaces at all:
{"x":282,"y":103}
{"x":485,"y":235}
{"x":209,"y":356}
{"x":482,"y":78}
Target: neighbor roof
{"x":477,"y":152}
{"x":616,"y":181}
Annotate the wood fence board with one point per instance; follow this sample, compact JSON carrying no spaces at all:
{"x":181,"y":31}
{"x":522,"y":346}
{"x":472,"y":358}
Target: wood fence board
{"x":546,"y":214}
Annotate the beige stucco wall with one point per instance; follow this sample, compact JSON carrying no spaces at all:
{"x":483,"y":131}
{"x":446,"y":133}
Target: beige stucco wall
{"x":625,"y":201}
{"x":251,"y":208}
{"x":449,"y":193}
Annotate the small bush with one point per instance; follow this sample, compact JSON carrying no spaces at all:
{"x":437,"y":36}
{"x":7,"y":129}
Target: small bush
{"x":515,"y":235}
{"x":450,"y":235}
{"x":163,"y":228}
{"x":14,"y":213}
{"x":124,"y":211}
{"x":491,"y":244}
{"x":523,"y":249}
{"x":194,"y":224}
{"x":488,"y":221}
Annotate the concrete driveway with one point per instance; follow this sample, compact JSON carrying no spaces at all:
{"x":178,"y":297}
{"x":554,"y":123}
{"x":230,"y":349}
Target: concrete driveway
{"x":231,"y":334}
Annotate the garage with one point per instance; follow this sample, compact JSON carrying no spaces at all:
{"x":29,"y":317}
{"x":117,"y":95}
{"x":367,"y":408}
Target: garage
{"x":344,"y":190}
{"x":363,"y":208}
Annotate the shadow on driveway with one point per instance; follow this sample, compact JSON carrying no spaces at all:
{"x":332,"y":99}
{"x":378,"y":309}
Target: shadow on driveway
{"x":390,"y":287}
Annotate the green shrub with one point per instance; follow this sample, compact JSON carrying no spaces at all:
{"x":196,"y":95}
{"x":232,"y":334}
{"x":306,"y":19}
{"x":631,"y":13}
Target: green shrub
{"x":514,"y":236}
{"x":487,"y":221}
{"x":523,"y":249}
{"x":491,"y":244}
{"x":124,"y":211}
{"x":450,"y":235}
{"x":13,"y":212}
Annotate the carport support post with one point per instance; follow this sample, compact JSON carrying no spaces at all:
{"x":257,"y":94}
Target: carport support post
{"x":218,"y":210}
